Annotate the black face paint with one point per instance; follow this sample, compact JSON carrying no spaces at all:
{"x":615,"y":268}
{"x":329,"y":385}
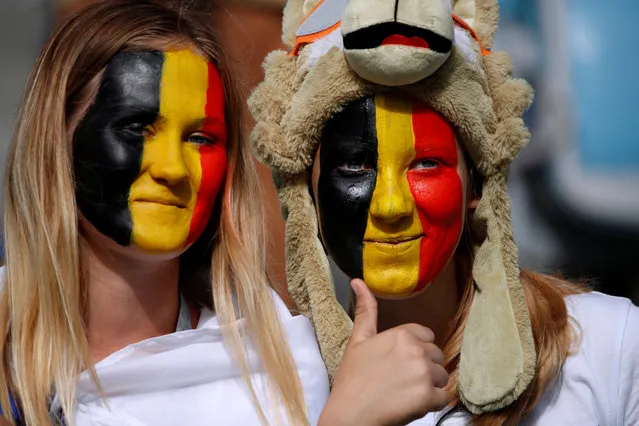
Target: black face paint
{"x":348,"y":171}
{"x":108,"y":143}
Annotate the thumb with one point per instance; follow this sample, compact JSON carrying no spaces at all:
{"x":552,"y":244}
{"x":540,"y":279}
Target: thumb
{"x":365,"y":322}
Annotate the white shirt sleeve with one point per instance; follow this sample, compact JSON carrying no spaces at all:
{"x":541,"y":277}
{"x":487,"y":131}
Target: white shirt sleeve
{"x":629,"y":370}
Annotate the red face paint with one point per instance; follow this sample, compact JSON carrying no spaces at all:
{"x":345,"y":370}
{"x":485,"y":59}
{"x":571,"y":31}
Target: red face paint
{"x":212,"y":156}
{"x":437,"y":189}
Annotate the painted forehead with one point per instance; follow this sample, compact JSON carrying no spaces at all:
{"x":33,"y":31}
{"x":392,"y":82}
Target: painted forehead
{"x":133,"y":81}
{"x":360,"y":125}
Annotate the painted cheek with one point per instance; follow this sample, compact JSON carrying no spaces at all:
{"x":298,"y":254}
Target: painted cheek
{"x":438,"y":193}
{"x":213,"y":161}
{"x":107,"y":153}
{"x":343,"y":195}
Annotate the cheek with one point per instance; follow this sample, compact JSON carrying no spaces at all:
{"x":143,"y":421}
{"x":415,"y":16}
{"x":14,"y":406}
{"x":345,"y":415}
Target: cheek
{"x":343,"y":205}
{"x":439,"y":198}
{"x":213,"y":163}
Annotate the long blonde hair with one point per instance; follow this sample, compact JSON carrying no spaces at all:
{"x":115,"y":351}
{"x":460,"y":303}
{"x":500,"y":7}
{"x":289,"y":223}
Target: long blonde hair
{"x":42,"y":304}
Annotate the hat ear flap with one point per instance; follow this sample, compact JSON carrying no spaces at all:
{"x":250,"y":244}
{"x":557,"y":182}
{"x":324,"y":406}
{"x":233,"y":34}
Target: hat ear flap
{"x":480,"y":15}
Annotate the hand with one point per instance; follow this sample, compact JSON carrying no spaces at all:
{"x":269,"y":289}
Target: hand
{"x":390,"y":378}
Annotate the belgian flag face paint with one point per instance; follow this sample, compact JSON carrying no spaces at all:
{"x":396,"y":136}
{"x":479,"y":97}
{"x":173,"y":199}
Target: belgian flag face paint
{"x":150,"y":154}
{"x":389,"y":193}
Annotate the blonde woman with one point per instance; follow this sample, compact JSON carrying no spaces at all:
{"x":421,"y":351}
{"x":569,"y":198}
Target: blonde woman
{"x":134,"y":291}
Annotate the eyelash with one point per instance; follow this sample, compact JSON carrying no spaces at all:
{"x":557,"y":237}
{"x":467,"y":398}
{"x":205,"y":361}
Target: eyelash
{"x":353,"y":167}
{"x":200,"y":139}
{"x":135,"y":128}
{"x":433,"y":164}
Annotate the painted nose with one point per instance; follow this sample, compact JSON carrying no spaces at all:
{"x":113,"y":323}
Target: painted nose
{"x":392,"y":200}
{"x":168,"y":163}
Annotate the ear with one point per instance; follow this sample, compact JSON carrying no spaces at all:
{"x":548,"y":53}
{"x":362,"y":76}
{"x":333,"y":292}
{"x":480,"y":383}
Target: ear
{"x":294,"y":13}
{"x":480,"y":15}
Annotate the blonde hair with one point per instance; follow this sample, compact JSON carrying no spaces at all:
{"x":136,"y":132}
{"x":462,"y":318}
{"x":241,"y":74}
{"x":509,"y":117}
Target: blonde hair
{"x":42,"y":305}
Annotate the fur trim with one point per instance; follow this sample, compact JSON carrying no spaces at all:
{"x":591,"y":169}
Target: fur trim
{"x":486,"y":21}
{"x":291,"y":19}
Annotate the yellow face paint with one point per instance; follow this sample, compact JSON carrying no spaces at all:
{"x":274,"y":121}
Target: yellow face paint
{"x":393,"y":232}
{"x":163,"y":198}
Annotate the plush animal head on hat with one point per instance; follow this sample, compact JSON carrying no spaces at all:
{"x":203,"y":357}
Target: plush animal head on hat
{"x":392,"y":42}
{"x":425,"y":67}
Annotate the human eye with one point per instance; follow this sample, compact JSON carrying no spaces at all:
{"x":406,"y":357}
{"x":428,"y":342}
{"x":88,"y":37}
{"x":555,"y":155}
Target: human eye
{"x":134,"y":128}
{"x":200,"y":139}
{"x":353,"y":166}
{"x":425,"y":164}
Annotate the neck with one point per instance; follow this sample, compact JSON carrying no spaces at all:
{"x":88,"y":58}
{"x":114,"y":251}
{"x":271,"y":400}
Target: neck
{"x":128,"y":300}
{"x":433,"y":308}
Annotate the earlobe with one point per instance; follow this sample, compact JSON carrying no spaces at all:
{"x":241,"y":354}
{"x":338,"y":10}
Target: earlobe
{"x":472,"y":204}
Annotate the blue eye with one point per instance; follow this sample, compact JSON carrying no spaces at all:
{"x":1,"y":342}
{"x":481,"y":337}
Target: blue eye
{"x":425,"y":165}
{"x":200,"y":139}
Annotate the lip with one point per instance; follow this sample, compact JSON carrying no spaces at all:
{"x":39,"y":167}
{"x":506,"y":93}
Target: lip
{"x":170,"y":203}
{"x":396,"y":240}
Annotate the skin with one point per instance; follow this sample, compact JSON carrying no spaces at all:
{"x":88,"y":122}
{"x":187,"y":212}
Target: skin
{"x":392,"y":370}
{"x":389,"y":194}
{"x":150,"y":154}
{"x":154,"y":139}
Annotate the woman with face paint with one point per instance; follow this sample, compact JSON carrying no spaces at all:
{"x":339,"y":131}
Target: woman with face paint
{"x":390,"y":130}
{"x":134,"y":289}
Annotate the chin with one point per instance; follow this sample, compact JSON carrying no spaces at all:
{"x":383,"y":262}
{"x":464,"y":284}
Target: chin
{"x":158,"y":249}
{"x":398,"y":295}
{"x":384,"y":285}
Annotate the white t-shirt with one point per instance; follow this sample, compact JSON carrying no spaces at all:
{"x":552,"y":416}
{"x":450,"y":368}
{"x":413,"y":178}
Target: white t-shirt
{"x":599,"y":385}
{"x":188,"y":378}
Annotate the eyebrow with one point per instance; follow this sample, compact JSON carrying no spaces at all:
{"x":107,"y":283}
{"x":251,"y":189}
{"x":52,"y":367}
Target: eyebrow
{"x":198,"y":123}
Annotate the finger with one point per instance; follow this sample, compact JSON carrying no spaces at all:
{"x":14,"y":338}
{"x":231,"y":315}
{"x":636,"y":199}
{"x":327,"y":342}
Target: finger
{"x":365,"y":322}
{"x":434,"y":353}
{"x":439,"y":399}
{"x":423,"y":334}
{"x":439,"y":376}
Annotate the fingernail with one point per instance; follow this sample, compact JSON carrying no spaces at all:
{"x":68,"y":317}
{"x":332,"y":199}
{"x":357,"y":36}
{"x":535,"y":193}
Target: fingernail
{"x":355,"y":286}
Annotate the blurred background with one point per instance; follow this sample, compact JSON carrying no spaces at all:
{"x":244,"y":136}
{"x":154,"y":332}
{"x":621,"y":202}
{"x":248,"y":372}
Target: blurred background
{"x":575,"y":188}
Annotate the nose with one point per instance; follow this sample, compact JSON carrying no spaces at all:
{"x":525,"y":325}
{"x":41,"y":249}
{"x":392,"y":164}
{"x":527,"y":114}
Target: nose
{"x":392,"y":200}
{"x":167,"y":163}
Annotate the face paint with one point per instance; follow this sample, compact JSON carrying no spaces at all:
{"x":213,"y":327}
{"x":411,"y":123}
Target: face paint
{"x":411,"y":203}
{"x":150,"y":154}
{"x":348,"y":158}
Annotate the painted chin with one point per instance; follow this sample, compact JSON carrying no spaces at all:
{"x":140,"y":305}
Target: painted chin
{"x":392,"y":272}
{"x":161,"y":228}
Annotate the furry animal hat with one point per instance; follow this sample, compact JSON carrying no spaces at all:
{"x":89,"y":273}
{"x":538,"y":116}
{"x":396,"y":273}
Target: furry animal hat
{"x":336,"y":56}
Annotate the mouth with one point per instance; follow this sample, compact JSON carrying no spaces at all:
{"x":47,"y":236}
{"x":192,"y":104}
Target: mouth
{"x":396,"y":33}
{"x":170,"y":203}
{"x":394,"y":241}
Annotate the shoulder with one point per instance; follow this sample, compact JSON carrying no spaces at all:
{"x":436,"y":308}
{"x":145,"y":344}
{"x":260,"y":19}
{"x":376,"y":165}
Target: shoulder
{"x":607,"y":327}
{"x":598,"y":316}
{"x":599,"y":382}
